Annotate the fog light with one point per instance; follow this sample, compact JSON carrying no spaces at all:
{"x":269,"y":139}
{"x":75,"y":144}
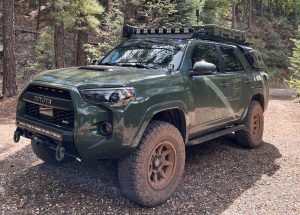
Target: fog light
{"x":105,"y":128}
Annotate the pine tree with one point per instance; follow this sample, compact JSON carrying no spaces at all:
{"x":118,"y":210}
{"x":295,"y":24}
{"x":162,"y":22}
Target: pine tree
{"x":59,"y":43}
{"x":82,"y":15}
{"x":9,"y":60}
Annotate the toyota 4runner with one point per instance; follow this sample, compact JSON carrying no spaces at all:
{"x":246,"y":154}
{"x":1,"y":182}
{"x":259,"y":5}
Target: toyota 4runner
{"x":160,"y":90}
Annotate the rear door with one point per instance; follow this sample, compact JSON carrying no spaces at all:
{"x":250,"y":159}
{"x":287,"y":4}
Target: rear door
{"x":235,"y":80}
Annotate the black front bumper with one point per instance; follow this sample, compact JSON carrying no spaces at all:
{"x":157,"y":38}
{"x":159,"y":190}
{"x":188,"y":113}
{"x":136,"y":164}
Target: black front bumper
{"x":31,"y":129}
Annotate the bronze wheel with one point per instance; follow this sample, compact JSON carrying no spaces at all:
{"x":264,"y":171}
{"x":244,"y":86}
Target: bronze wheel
{"x":256,"y":125}
{"x":251,"y":137}
{"x":153,"y":171}
{"x":162,"y":163}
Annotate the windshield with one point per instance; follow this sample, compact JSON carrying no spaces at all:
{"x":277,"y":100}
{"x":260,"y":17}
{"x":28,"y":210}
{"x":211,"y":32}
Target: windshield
{"x":149,"y":53}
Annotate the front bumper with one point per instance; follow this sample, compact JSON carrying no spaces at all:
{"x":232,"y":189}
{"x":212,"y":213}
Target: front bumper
{"x":85,"y":138}
{"x":32,"y":130}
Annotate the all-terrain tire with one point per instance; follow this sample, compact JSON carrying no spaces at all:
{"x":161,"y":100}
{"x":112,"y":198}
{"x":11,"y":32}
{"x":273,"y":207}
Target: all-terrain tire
{"x":47,"y":155}
{"x":140,"y":173}
{"x":251,"y":137}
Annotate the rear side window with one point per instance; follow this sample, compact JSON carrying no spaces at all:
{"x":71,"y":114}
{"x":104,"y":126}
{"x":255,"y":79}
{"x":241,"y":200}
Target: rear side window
{"x":205,"y":52}
{"x":231,"y":62}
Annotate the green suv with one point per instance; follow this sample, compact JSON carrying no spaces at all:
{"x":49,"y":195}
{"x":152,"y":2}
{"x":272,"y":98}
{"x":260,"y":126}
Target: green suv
{"x":144,"y":102}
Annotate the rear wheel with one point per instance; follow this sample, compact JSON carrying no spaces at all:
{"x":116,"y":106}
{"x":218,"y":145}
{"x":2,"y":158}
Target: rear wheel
{"x":47,"y":155}
{"x":152,"y":173}
{"x":251,"y":137}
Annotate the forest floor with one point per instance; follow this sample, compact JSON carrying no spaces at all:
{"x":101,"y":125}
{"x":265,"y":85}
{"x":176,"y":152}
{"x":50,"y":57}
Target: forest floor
{"x":220,"y":177}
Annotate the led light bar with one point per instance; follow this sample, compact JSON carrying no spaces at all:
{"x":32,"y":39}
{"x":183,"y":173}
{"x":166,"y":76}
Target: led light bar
{"x":145,"y":31}
{"x":186,"y":30}
{"x":152,"y":30}
{"x":138,"y":31}
{"x":161,"y":30}
{"x":169,"y":31}
{"x":177,"y":30}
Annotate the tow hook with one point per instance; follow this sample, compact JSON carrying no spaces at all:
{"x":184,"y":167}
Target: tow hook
{"x":17,"y":136}
{"x":60,"y":153}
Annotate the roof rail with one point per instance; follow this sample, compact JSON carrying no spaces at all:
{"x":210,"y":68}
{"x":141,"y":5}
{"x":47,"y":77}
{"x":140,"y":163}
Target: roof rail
{"x":205,"y":32}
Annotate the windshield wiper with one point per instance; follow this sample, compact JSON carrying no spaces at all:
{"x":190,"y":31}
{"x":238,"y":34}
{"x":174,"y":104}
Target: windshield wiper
{"x":107,"y":64}
{"x":137,"y":65}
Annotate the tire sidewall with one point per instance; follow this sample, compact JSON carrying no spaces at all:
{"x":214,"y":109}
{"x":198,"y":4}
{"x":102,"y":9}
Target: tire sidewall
{"x":256,"y":110}
{"x":151,"y":143}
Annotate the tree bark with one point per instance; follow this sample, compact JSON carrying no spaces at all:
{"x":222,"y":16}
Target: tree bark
{"x":59,"y":43}
{"x":81,"y":55}
{"x":233,"y":19}
{"x":250,"y":15}
{"x":38,"y":19}
{"x":108,"y":10}
{"x":9,"y":87}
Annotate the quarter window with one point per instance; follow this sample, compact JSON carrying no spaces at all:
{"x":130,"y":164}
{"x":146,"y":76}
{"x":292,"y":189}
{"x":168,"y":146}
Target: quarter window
{"x":231,"y":62}
{"x":206,"y":53}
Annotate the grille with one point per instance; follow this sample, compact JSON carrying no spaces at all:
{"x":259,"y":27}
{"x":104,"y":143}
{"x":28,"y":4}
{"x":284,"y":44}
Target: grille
{"x":60,"y":117}
{"x":50,"y":91}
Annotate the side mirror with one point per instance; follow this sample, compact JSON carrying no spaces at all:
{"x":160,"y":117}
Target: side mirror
{"x":94,"y":61}
{"x":203,"y":68}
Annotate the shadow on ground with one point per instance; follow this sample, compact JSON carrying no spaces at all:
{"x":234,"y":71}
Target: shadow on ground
{"x":216,"y":174}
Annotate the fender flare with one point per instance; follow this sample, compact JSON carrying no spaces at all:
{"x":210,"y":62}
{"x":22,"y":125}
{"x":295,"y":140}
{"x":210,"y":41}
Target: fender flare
{"x":159,"y":107}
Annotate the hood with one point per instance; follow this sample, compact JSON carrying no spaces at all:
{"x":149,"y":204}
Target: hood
{"x":98,"y":76}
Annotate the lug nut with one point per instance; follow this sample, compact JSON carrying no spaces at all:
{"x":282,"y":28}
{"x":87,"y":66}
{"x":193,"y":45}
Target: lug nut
{"x":105,"y":128}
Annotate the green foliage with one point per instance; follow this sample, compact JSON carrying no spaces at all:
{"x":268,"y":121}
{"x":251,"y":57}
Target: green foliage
{"x":294,"y":83}
{"x":81,"y":14}
{"x":186,"y":10}
{"x":158,"y":13}
{"x":45,"y":50}
{"x":295,"y":59}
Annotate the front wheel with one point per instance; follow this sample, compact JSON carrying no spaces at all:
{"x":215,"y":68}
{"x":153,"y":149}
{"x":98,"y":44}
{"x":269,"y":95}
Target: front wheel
{"x":251,"y":137}
{"x":150,"y":175}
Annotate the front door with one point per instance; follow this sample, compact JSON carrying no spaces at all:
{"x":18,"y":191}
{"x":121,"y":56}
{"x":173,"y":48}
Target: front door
{"x":211,"y":107}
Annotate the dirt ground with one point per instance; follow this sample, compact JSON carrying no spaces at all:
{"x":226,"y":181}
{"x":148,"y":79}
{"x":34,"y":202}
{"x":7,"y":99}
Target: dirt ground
{"x":220,"y":177}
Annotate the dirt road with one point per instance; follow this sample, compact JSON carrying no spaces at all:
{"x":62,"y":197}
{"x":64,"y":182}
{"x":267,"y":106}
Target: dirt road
{"x":220,"y":177}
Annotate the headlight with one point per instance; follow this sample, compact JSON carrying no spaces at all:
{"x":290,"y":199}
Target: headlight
{"x":113,"y":97}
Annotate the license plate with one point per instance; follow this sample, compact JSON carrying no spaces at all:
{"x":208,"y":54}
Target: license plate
{"x":48,"y":111}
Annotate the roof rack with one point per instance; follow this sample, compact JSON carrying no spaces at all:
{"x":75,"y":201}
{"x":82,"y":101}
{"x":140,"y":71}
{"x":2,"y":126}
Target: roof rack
{"x":204,"y":32}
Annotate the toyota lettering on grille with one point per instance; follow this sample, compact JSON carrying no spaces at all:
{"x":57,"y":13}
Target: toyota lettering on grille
{"x":42,"y":100}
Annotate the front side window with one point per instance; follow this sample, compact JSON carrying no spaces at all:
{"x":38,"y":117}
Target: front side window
{"x":231,"y":62}
{"x":207,"y":53}
{"x":152,"y":53}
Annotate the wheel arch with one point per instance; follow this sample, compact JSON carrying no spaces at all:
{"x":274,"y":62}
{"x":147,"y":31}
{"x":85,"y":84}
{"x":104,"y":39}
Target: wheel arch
{"x":259,"y":98}
{"x":174,"y":116}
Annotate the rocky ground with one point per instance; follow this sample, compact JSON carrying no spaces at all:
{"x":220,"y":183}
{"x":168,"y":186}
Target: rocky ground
{"x":220,"y":177}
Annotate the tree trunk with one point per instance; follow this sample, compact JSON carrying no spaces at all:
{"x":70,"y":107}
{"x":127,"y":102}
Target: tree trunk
{"x":233,"y":19}
{"x":81,"y":55}
{"x":250,"y":15}
{"x":38,"y":19}
{"x":261,"y":8}
{"x":59,"y":43}
{"x":9,"y":60}
{"x":108,"y":10}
